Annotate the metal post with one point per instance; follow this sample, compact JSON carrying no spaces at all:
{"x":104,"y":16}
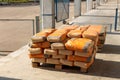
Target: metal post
{"x":97,"y":2}
{"x":89,"y":5}
{"x":33,"y":27}
{"x":116,"y":19}
{"x":77,"y":8}
{"x":37,"y":24}
{"x":47,"y":19}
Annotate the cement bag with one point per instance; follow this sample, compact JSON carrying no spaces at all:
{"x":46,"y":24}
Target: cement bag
{"x":41,"y":36}
{"x":66,"y":39}
{"x":57,"y":36}
{"x":82,"y":54}
{"x":71,"y":27}
{"x":42,"y":60}
{"x":65,"y":52}
{"x":79,"y":44}
{"x":75,"y":34}
{"x":36,"y":56}
{"x":35,"y":50}
{"x":50,"y":52}
{"x":90,"y":35}
{"x":85,"y":64}
{"x":53,"y":61}
{"x":35,"y":45}
{"x":78,"y":58}
{"x":57,"y":46}
{"x":83,"y":28}
{"x":49,"y":31}
{"x":101,"y":30}
{"x":66,"y":62}
{"x":45,"y":44}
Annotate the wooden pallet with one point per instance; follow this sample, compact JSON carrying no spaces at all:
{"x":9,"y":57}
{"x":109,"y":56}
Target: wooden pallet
{"x":57,"y":67}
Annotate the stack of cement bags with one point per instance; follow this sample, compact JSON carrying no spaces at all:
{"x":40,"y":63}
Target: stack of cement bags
{"x":97,"y":33}
{"x":72,"y":46}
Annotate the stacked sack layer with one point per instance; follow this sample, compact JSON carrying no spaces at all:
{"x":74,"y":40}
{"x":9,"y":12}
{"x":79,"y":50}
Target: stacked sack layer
{"x":72,"y":45}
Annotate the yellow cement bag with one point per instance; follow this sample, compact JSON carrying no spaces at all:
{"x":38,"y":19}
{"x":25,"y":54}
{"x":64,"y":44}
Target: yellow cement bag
{"x":41,"y":36}
{"x":79,"y":44}
{"x":93,"y":35}
{"x":83,"y":28}
{"x":82,"y":54}
{"x":39,"y":56}
{"x":35,"y":50}
{"x":75,"y":34}
{"x":101,"y":30}
{"x":71,"y":27}
{"x":57,"y":36}
{"x":57,"y":46}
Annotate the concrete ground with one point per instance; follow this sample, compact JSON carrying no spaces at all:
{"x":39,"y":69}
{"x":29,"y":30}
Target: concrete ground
{"x":17,"y":66}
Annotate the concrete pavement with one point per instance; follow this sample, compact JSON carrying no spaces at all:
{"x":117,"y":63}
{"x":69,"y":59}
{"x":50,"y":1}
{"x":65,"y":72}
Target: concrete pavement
{"x":106,"y":66}
{"x":17,"y":66}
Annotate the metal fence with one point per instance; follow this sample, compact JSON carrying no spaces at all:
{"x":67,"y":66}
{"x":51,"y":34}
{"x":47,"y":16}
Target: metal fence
{"x":62,"y":10}
{"x":15,"y":33}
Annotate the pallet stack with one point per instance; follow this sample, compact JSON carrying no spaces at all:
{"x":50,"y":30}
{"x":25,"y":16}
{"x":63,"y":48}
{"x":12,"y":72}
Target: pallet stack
{"x":72,"y":46}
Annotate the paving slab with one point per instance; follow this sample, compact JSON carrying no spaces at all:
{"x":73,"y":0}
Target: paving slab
{"x":108,"y":6}
{"x":106,"y":21}
{"x":101,"y":13}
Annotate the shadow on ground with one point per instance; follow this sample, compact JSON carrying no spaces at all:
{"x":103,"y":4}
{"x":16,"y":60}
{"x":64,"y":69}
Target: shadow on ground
{"x":104,"y":68}
{"x":20,"y":4}
{"x":111,"y":49}
{"x":100,"y":68}
{"x":6,"y":78}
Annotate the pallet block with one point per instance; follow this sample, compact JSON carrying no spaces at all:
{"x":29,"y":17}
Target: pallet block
{"x":58,"y":66}
{"x":35,"y":64}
